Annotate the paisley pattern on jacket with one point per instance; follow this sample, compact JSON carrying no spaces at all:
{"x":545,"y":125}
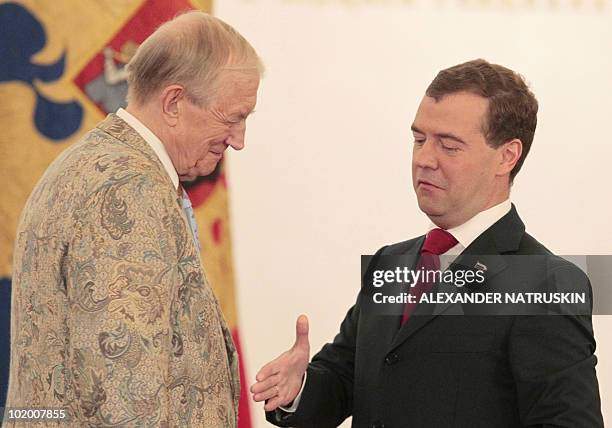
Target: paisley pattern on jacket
{"x":112,"y":315}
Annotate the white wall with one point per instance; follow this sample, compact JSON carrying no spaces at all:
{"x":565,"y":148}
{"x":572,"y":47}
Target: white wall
{"x":325,"y":176}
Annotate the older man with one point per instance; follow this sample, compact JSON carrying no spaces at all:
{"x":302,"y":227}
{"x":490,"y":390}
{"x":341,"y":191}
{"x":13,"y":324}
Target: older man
{"x":472,"y":132}
{"x":113,"y":319}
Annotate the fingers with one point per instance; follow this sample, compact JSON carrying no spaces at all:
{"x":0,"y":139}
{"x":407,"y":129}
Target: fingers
{"x":301,"y":333}
{"x":280,"y":397}
{"x":265,"y":384}
{"x":271,"y":392}
{"x":273,"y":404}
{"x":279,"y":381}
{"x":266,"y":371}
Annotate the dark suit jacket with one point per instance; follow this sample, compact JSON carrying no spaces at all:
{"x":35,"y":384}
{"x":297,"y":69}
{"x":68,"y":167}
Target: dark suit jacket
{"x":457,"y":371}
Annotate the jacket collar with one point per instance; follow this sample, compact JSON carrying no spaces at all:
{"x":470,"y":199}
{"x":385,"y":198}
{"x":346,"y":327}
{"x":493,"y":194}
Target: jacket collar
{"x":117,"y":128}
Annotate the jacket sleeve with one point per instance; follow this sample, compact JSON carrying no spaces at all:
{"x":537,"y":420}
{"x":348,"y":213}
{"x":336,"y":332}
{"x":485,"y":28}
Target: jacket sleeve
{"x":553,"y":363}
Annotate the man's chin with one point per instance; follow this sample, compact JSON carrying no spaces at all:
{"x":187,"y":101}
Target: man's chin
{"x":200,"y":172}
{"x":187,"y":177}
{"x":430,"y":208}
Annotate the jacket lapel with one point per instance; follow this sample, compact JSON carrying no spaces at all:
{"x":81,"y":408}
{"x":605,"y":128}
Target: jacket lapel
{"x":486,"y":251}
{"x":384,"y":327}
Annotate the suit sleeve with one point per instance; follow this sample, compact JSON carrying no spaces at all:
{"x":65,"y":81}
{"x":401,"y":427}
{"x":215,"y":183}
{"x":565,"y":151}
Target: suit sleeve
{"x":553,"y":362}
{"x":327,"y":398}
{"x":123,"y":270}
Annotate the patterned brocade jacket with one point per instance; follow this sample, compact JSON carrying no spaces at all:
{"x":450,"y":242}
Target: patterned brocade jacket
{"x":112,"y":316}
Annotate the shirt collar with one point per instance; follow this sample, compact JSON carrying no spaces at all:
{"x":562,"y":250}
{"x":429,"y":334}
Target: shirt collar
{"x":466,"y":233}
{"x":153,"y":141}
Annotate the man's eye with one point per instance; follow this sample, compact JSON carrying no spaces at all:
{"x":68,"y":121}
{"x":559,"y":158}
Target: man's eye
{"x":418,"y":141}
{"x":450,"y":149}
{"x":235,"y":121}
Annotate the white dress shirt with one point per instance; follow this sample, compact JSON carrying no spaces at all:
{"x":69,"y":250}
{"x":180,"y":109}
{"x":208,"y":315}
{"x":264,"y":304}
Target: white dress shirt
{"x":472,"y":229}
{"x":153,"y":141}
{"x":465,"y":234}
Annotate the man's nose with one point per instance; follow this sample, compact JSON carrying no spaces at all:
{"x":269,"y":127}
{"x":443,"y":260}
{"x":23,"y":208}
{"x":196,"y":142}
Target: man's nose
{"x":236,"y":138}
{"x":425,"y":155}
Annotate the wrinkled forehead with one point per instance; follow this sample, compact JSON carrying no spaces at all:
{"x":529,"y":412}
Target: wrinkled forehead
{"x":237,"y":90}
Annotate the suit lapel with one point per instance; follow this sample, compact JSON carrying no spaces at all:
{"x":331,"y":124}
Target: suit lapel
{"x":384,"y":327}
{"x":502,"y":237}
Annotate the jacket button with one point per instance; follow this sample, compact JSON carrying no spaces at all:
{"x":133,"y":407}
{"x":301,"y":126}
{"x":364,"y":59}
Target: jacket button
{"x":391,"y":359}
{"x":378,"y":425}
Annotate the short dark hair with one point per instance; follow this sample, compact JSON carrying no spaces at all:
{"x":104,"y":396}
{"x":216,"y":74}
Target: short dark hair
{"x":513,"y":108}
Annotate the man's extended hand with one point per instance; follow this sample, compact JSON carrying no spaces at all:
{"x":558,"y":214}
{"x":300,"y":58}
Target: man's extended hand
{"x":280,"y":380}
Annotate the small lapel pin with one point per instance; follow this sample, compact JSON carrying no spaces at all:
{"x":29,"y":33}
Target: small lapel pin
{"x":480,"y":266}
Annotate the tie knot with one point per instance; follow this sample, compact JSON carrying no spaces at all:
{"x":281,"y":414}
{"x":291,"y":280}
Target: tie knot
{"x":438,"y":241}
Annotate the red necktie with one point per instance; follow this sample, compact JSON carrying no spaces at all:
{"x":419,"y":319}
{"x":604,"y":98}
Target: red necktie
{"x":438,"y":241}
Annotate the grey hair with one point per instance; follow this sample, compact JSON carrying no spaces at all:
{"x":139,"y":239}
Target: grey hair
{"x":190,"y":50}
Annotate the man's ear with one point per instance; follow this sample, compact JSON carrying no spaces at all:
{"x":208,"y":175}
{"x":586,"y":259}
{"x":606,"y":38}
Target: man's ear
{"x":510,"y":153}
{"x":169,"y":99}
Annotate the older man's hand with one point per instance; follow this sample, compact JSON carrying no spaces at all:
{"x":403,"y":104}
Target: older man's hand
{"x":280,"y":380}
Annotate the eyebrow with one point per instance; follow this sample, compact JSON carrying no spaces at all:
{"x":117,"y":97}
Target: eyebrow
{"x":442,"y":135}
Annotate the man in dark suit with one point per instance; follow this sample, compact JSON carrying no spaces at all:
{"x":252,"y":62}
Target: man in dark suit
{"x":421,"y":368}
